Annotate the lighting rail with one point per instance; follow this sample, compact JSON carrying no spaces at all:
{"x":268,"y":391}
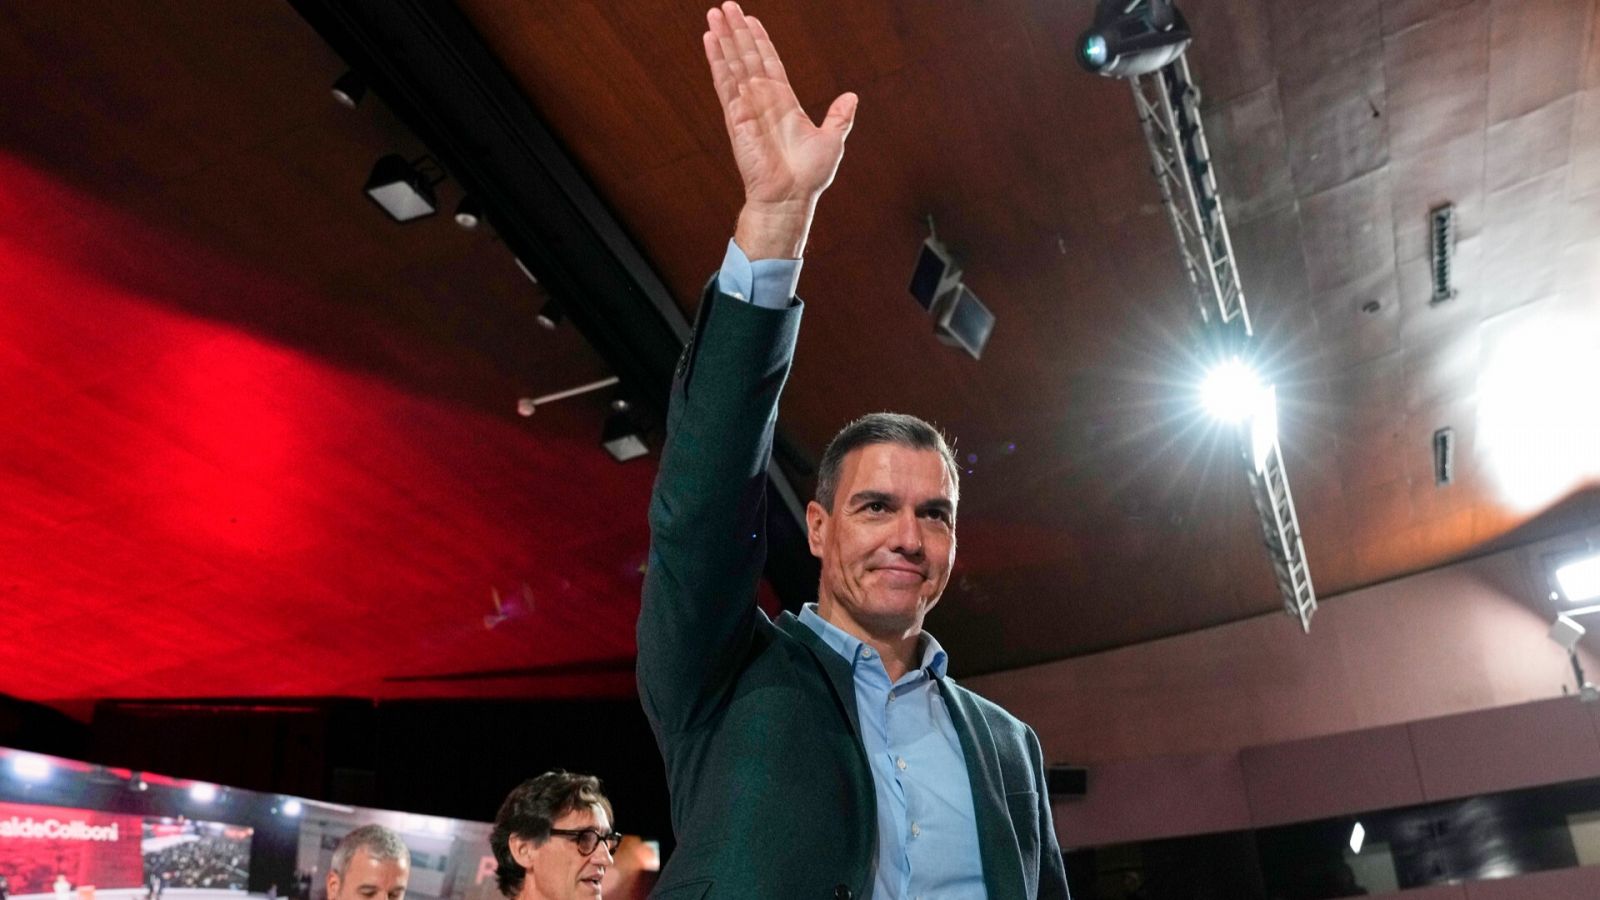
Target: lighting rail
{"x":1168,"y":104}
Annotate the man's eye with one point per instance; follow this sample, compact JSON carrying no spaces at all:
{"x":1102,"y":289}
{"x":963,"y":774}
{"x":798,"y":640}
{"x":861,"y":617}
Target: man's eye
{"x":876,"y":506}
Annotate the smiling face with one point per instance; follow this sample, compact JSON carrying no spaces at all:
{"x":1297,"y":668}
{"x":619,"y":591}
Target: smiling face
{"x":556,"y":870}
{"x":888,"y":544}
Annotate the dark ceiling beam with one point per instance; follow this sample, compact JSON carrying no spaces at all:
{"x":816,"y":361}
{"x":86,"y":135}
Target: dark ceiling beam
{"x":431,"y":68}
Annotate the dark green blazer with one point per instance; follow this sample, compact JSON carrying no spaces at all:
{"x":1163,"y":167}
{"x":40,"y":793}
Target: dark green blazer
{"x":772,"y":797}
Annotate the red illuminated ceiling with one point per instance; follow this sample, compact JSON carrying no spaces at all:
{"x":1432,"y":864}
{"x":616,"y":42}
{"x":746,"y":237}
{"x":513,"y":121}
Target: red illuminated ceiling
{"x":254,"y":438}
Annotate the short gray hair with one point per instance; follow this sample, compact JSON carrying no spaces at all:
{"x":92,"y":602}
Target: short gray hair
{"x":882,"y":428}
{"x":378,"y":841}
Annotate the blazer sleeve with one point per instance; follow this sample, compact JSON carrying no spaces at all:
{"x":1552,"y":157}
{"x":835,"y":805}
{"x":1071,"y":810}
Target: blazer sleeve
{"x":1052,"y":869}
{"x":708,"y":509}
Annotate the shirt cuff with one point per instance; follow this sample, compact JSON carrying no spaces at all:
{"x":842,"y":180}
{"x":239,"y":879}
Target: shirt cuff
{"x":764,"y":282}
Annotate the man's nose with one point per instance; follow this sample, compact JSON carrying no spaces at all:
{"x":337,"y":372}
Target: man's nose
{"x":908,"y":534}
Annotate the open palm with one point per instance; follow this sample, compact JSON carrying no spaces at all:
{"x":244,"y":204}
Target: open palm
{"x":783,"y":157}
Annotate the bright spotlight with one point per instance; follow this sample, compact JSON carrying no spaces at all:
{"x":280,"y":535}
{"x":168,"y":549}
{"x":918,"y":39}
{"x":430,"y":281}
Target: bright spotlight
{"x":1232,"y":392}
{"x":1580,"y":580}
{"x":28,"y":767}
{"x":1358,"y":837}
{"x":1538,"y":424}
{"x":292,"y":807}
{"x":200,"y":792}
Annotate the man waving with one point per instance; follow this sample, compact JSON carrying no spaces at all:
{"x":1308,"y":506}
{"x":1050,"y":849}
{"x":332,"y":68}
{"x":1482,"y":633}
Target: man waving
{"x":825,"y":755}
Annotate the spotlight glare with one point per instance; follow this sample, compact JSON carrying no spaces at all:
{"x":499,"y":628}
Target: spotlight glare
{"x":29,"y":767}
{"x":1232,"y":392}
{"x":292,"y":807}
{"x":1538,"y":424}
{"x":1580,"y":580}
{"x":1358,"y":837}
{"x":200,"y":792}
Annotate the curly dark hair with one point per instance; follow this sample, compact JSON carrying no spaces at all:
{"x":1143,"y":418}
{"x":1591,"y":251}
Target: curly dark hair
{"x":528,"y":812}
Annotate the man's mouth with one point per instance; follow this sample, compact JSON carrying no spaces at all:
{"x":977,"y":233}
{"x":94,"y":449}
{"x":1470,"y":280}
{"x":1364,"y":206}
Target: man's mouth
{"x":593,"y":880}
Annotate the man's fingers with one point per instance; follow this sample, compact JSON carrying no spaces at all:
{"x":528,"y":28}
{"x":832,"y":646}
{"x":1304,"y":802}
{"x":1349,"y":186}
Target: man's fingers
{"x":842,"y":114}
{"x":744,"y":42}
{"x":730,"y":52}
{"x":721,"y":76}
{"x":769,"y":54}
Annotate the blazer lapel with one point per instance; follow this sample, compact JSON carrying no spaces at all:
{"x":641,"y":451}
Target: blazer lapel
{"x":997,"y":838}
{"x":839,"y":674}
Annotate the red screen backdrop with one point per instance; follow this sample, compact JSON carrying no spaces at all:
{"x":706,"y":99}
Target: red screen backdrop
{"x":88,"y":846}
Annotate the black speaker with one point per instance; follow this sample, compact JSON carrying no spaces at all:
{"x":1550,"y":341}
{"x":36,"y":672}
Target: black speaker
{"x":1066,"y":781}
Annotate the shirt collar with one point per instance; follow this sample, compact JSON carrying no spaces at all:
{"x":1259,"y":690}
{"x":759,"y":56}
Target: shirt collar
{"x":849,"y":646}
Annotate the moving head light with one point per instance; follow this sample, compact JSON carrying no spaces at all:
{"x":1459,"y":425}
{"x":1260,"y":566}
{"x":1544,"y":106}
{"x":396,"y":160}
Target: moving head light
{"x":1133,"y":37}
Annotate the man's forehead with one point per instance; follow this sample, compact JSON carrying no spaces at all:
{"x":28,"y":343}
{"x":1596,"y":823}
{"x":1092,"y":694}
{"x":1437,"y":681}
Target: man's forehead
{"x":592,"y":816}
{"x":884,"y":462}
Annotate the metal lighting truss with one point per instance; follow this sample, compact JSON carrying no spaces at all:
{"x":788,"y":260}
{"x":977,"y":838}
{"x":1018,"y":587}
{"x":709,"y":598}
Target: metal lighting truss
{"x":1169,"y":112}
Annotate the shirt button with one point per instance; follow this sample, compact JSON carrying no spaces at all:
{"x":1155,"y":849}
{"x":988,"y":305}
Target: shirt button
{"x":901,"y":762}
{"x":916,"y":830}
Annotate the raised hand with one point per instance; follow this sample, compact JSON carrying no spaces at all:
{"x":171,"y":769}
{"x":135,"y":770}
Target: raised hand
{"x":785,"y":160}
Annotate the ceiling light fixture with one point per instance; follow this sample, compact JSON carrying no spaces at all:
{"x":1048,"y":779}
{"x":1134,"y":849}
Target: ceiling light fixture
{"x":551,"y":314}
{"x":200,"y":792}
{"x":623,"y":438}
{"x":292,"y":807}
{"x":1579,"y":579}
{"x":1132,"y":37}
{"x":527,"y":406}
{"x":349,"y":89}
{"x":1358,"y":838}
{"x":469,"y":212}
{"x":401,"y":188}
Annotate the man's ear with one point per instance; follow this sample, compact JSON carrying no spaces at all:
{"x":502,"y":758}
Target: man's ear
{"x":333,"y":884}
{"x":522,"y":851}
{"x":816,"y":527}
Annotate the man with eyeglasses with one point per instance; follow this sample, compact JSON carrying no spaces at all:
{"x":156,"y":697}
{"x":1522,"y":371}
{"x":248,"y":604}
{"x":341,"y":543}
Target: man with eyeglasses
{"x":552,"y":838}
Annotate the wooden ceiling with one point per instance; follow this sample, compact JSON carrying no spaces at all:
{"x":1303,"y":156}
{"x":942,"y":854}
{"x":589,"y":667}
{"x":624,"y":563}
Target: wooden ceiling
{"x":260,"y":440}
{"x":1100,"y":508}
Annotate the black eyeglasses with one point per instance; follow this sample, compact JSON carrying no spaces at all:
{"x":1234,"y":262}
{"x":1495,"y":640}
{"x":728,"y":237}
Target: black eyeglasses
{"x":588,"y":839}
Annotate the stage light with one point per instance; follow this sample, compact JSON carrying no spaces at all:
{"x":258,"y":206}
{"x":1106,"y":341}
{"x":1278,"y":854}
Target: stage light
{"x":403,"y":192}
{"x":622,"y":438}
{"x":439,"y":826}
{"x":1263,"y":427}
{"x":1232,"y":392}
{"x":1580,"y":579}
{"x":30,"y":767}
{"x":292,"y":807}
{"x":961,"y":320}
{"x":349,"y":89}
{"x":936,"y":273}
{"x":137,"y":784}
{"x":1132,"y":37}
{"x":1358,"y":838}
{"x":200,"y":792}
{"x":469,"y":213}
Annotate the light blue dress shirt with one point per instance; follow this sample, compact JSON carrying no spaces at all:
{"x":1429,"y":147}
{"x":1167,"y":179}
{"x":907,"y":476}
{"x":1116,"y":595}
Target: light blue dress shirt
{"x":927,"y":828}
